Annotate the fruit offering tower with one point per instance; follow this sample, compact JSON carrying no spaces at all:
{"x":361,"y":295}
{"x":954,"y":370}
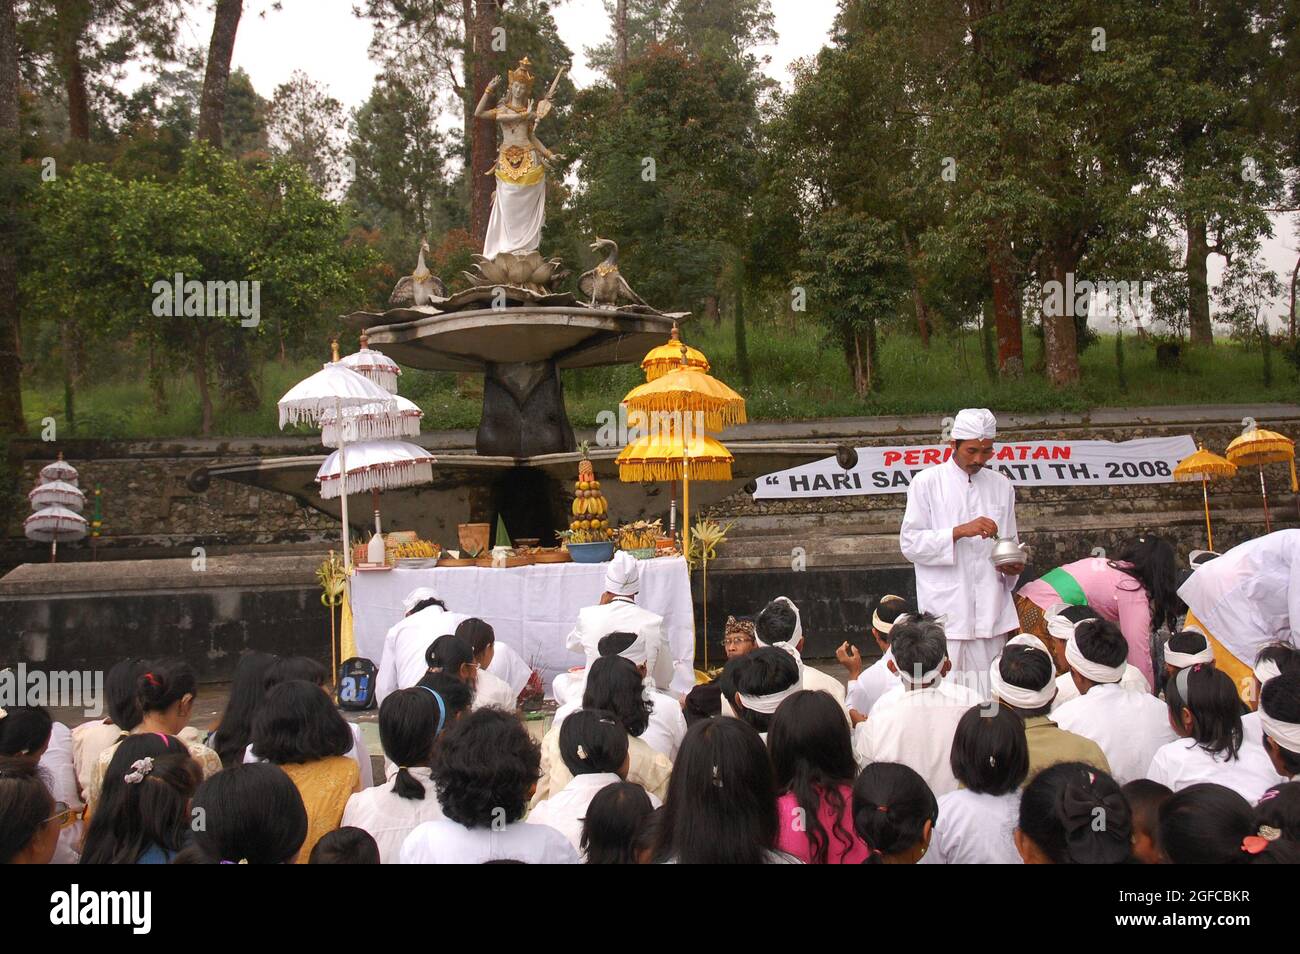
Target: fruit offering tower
{"x":590,"y":511}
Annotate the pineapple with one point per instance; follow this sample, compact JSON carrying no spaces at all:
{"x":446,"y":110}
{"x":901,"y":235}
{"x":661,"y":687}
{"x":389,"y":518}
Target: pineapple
{"x":590,"y":522}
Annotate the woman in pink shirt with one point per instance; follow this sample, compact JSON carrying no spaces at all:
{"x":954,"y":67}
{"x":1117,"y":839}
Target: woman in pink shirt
{"x":1138,"y":591}
{"x":812,"y":758}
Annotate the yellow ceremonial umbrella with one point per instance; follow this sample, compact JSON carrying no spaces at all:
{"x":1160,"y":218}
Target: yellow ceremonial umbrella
{"x":668,"y":357}
{"x":1257,"y":447}
{"x":689,"y":389}
{"x":1204,"y":464}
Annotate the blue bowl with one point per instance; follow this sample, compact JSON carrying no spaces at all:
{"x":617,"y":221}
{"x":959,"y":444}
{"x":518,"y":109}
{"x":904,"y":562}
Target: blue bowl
{"x":592,"y":552}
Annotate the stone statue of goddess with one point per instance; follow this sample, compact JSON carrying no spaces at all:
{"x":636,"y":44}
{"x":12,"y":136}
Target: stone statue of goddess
{"x":519,"y":202}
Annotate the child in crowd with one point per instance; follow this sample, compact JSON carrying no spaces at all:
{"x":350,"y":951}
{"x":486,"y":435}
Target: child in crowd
{"x":1073,"y":814}
{"x":1145,"y":798}
{"x":345,"y":846}
{"x":490,"y":689}
{"x":615,"y":820}
{"x":1212,"y":824}
{"x":894,"y":813}
{"x":30,"y":819}
{"x":234,"y":730}
{"x":252,"y":814}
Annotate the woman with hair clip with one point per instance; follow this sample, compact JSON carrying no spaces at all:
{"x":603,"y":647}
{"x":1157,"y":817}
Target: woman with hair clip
{"x":1137,"y":590}
{"x":1073,"y":814}
{"x":252,"y":814}
{"x":812,"y":757}
{"x":1206,"y":714}
{"x":894,"y":813}
{"x":1208,"y":824}
{"x":144,"y":809}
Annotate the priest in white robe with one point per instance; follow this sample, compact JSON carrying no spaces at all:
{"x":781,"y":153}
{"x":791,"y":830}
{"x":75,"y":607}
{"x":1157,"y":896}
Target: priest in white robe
{"x":403,"y":663}
{"x":956,"y":511}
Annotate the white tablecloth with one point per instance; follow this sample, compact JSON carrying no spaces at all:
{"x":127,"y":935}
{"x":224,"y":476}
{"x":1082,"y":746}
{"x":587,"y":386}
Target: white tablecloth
{"x":531,"y":608}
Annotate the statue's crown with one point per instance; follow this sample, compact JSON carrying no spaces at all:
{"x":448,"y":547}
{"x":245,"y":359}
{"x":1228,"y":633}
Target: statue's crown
{"x":522,"y":74}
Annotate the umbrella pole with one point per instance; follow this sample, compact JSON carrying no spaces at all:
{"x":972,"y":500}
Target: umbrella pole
{"x":54,"y":551}
{"x":347,"y":546}
{"x":1263,"y":490}
{"x":672,"y":510}
{"x":1205,"y":493}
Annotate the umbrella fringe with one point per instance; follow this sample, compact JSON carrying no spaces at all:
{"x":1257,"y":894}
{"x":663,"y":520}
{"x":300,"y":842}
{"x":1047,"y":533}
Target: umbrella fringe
{"x":662,"y":471}
{"x":375,"y":429}
{"x":386,"y":476}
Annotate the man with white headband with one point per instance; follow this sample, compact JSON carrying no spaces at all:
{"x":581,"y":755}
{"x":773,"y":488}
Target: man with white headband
{"x":1024,"y":680}
{"x":915,"y":722}
{"x":1190,"y":647}
{"x":1279,"y":710}
{"x":779,"y":625}
{"x":867,"y":685}
{"x":617,"y":612}
{"x":1246,"y":599}
{"x":1273,"y":660}
{"x":406,"y":643}
{"x":956,"y":511}
{"x":762,"y":680}
{"x":1128,"y":726}
{"x":1061,"y":621}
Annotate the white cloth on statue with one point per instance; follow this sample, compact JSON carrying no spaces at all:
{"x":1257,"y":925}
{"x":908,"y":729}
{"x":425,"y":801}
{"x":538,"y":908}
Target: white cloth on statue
{"x":445,"y":842}
{"x":975,"y":829}
{"x":622,"y":615}
{"x":405,"y":646}
{"x":509,"y":666}
{"x":916,"y":728}
{"x":667,"y":725}
{"x":1250,"y":596}
{"x":359,"y":753}
{"x":566,"y":810}
{"x":872,"y":683}
{"x":388,"y":817}
{"x":517,"y":216}
{"x":1128,"y":726}
{"x":955,"y":578}
{"x":1132,"y":680}
{"x":1183,"y":762}
{"x":61,"y":775}
{"x":493,"y":691}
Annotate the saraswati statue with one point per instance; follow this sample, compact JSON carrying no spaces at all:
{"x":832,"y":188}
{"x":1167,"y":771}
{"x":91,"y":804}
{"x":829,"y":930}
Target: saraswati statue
{"x":519,"y":203}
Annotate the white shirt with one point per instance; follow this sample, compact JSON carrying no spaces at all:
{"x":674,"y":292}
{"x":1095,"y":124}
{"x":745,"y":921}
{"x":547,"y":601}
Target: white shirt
{"x":954,"y":578}
{"x":1252,"y":730}
{"x":61,"y":777}
{"x":445,"y":842}
{"x":817,"y":681}
{"x":916,"y":728}
{"x":359,"y":753}
{"x":566,"y":810}
{"x":621,"y":615}
{"x":493,"y":691}
{"x":390,"y":818}
{"x":1132,"y":680}
{"x":975,"y":829}
{"x":405,"y":645}
{"x":872,"y":683}
{"x":1128,"y":726}
{"x":1250,"y":596}
{"x":667,"y":725}
{"x":510,"y":666}
{"x":1182,"y":762}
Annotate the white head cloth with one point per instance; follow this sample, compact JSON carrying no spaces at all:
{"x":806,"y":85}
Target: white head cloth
{"x":1186,"y":660}
{"x":1018,"y":696}
{"x":974,"y":424}
{"x":417,"y":596}
{"x":1089,"y":669}
{"x":623,"y":578}
{"x":1058,"y":626}
{"x":879,"y":624}
{"x":1285,"y":734}
{"x":1266,"y":670}
{"x":790,"y":645}
{"x":768,"y":704}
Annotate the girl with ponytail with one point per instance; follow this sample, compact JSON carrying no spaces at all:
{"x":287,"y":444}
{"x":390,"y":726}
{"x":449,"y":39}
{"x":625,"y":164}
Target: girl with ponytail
{"x":894,"y":812}
{"x":1073,"y":814}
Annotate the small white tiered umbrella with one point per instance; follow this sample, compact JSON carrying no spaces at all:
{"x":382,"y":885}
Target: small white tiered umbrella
{"x":57,"y":493}
{"x":373,"y":423}
{"x":375,"y":365}
{"x":60,"y":470}
{"x":375,"y":466}
{"x":55,"y":525}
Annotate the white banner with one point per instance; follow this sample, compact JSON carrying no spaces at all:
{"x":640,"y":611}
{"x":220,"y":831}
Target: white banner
{"x":889,"y":470}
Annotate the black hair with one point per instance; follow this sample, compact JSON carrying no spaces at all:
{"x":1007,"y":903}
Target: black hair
{"x":1216,"y":709}
{"x":1060,"y":811}
{"x":811,"y":749}
{"x":775,"y":623}
{"x":163,"y":683}
{"x":447,"y":654}
{"x":485,"y":764}
{"x":120,"y":697}
{"x":455,"y":694}
{"x":1285,"y":656}
{"x":1078,"y":612}
{"x":153,"y":812}
{"x":1189,"y":641}
{"x":721,"y":805}
{"x":888,"y":608}
{"x":703,"y":702}
{"x":614,"y":643}
{"x":25,"y":805}
{"x":425,"y":604}
{"x":1027,"y":667}
{"x":408,"y":724}
{"x":1280,"y":699}
{"x":600,"y":737}
{"x":247,"y":690}
{"x":1207,"y":823}
{"x":1145,"y":797}
{"x":478,"y":633}
{"x":614,"y":817}
{"x":645,"y":841}
{"x":297,"y":723}
{"x":251,"y":813}
{"x":25,"y":730}
{"x":1151,"y":561}
{"x":990,"y":755}
{"x":614,"y":684}
{"x":891,"y":804}
{"x":1279,"y":808}
{"x":1101,"y":641}
{"x":918,"y":644}
{"x":764,"y":671}
{"x":296,"y":668}
{"x":345,"y":846}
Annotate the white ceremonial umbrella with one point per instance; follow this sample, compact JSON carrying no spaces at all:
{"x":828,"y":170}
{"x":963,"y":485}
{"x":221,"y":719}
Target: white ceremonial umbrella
{"x":372,"y":422}
{"x":53,"y":524}
{"x":57,"y":493}
{"x":335,"y":387}
{"x":59,"y":470}
{"x":375,"y":466}
{"x":375,"y":365}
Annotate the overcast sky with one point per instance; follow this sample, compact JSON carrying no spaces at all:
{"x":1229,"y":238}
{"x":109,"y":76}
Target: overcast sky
{"x":324,"y":40}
